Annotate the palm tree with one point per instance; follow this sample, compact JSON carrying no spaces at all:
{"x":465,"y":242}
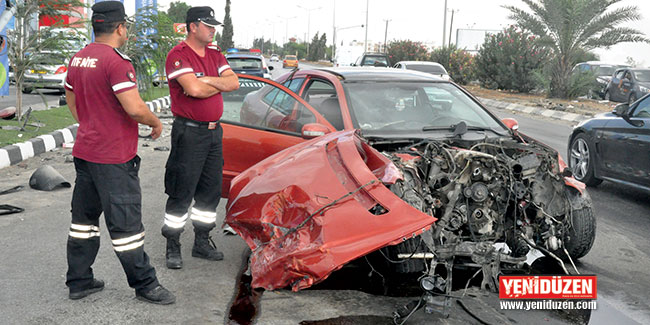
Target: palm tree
{"x":570,"y":27}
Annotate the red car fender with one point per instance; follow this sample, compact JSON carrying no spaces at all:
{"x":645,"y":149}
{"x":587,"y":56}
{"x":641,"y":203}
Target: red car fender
{"x":308,"y":210}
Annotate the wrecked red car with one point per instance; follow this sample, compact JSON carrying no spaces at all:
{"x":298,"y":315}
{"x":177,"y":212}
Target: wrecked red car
{"x":422,"y":176}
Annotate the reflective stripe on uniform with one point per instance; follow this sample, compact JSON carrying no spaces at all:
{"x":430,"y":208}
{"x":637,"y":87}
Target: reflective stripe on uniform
{"x":83,"y":235}
{"x":203,"y":216}
{"x":83,"y":231}
{"x":179,"y":72}
{"x":174,"y":221}
{"x":68,"y":85}
{"x":128,"y":243}
{"x":123,"y":85}
{"x":223,"y":68}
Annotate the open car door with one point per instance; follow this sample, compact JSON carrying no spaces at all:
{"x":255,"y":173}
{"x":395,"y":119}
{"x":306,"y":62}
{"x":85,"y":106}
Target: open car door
{"x":261,"y":118}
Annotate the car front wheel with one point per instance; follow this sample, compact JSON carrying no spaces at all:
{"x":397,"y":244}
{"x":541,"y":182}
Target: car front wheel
{"x":582,"y":160}
{"x":631,"y":99}
{"x":581,"y":231}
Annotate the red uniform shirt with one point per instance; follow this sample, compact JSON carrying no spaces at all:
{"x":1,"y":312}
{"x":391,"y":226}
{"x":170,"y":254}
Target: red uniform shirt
{"x":181,"y":60}
{"x":106,"y":134}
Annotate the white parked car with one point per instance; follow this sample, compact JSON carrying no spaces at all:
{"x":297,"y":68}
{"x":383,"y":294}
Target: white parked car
{"x":433,"y":68}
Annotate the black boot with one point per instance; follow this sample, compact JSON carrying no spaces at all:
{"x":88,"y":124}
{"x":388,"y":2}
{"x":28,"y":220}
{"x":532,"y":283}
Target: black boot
{"x":173,"y":255}
{"x":204,"y":247}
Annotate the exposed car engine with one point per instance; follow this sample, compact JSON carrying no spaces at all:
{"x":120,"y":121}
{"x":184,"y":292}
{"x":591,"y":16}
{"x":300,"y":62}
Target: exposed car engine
{"x":483,"y":195}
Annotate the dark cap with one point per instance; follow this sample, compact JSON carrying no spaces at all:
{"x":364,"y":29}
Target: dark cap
{"x":108,"y":12}
{"x":202,"y":14}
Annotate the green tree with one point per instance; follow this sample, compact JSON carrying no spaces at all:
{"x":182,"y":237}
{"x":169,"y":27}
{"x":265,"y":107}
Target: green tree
{"x":407,"y":50}
{"x":507,"y":60}
{"x":569,"y":26}
{"x":458,"y":63}
{"x":228,"y":32}
{"x":177,"y":11}
{"x":29,"y":49}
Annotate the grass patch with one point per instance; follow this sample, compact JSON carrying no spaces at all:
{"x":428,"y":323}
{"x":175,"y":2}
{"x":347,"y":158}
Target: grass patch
{"x":54,"y":119}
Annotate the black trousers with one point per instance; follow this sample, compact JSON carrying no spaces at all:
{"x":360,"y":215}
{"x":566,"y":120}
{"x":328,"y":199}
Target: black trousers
{"x":115,"y":190}
{"x":193,"y":172}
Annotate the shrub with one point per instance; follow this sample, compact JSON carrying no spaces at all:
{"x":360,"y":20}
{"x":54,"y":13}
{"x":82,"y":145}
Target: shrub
{"x":406,"y":51}
{"x":459,"y":63}
{"x":507,"y":60}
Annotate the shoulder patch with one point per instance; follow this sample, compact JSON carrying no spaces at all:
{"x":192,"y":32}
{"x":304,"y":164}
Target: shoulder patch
{"x":124,"y":56}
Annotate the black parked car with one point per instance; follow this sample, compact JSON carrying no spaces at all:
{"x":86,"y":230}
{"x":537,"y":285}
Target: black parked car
{"x":627,"y":85}
{"x":613,"y":146}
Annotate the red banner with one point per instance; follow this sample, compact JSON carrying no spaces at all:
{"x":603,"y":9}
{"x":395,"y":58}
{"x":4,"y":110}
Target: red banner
{"x":548,"y":287}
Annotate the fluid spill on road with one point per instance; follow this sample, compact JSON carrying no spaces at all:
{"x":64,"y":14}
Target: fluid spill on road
{"x":245,"y":305}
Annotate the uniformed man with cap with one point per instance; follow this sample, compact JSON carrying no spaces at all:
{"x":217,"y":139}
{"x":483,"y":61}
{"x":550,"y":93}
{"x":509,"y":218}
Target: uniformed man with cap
{"x":103,"y":97}
{"x":198,"y":73}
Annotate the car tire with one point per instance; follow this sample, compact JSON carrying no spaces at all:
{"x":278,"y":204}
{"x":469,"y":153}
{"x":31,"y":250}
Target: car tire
{"x":631,"y":99}
{"x":581,"y":232}
{"x":581,"y":155}
{"x":27,"y":90}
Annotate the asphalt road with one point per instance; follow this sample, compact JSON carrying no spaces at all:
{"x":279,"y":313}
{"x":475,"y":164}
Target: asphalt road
{"x":33,"y":99}
{"x":32,"y":255}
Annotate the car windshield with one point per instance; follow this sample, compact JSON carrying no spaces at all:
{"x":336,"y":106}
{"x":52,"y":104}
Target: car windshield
{"x":245,"y":63}
{"x":372,"y":60}
{"x":642,"y":75}
{"x":433,"y":69}
{"x":290,"y":57}
{"x":604,"y":70}
{"x":414,"y":107}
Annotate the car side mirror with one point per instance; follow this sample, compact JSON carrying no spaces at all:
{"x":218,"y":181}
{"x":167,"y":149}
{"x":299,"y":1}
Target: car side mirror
{"x":313,"y":130}
{"x":511,"y":123}
{"x":621,"y":109}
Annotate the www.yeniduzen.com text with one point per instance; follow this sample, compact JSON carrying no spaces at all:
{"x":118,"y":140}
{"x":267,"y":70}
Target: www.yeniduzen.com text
{"x":547,"y":304}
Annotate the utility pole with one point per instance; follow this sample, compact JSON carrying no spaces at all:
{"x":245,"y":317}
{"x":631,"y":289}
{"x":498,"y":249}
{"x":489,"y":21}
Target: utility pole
{"x":286,"y":31}
{"x":451,"y":25}
{"x":444,"y":26}
{"x":309,"y":10}
{"x":365,"y":42}
{"x":386,"y":33}
{"x":333,"y":31}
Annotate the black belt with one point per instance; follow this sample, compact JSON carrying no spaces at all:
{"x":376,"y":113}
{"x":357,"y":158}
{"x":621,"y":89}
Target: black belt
{"x":197,"y":124}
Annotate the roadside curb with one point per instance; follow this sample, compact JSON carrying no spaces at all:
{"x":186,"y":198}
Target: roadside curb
{"x":559,"y":115}
{"x":15,"y":153}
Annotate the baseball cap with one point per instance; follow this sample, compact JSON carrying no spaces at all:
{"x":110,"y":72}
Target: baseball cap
{"x":108,"y":12}
{"x":202,"y":14}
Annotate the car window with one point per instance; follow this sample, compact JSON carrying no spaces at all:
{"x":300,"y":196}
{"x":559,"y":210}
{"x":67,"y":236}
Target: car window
{"x":433,"y":69}
{"x":290,"y":57}
{"x":245,"y":63}
{"x":642,"y":109}
{"x":604,"y":70}
{"x":375,"y":60}
{"x":322,"y":96}
{"x":265,"y":106}
{"x":619,"y":75}
{"x":642,"y":75}
{"x":410,"y":106}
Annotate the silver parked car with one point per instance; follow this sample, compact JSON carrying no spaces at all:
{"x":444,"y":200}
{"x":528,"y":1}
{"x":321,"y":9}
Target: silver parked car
{"x":433,"y":68}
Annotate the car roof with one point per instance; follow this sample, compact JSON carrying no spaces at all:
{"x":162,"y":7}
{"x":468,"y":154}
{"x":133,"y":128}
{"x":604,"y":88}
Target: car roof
{"x":375,"y":73}
{"x":420,"y":62}
{"x":603,"y":63}
{"x":243,"y":55}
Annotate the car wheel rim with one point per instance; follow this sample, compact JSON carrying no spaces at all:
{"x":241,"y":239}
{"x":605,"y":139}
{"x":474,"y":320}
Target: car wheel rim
{"x":579,"y":158}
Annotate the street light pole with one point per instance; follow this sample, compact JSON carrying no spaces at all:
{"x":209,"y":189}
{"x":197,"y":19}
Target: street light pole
{"x":309,"y":10}
{"x":386,"y":33}
{"x":365,"y":41}
{"x":286,"y":31}
{"x":444,"y":26}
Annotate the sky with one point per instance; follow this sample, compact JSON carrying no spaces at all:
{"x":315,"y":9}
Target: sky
{"x":420,"y":20}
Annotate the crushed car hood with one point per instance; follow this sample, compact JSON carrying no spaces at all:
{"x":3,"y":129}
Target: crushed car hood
{"x":308,"y":210}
